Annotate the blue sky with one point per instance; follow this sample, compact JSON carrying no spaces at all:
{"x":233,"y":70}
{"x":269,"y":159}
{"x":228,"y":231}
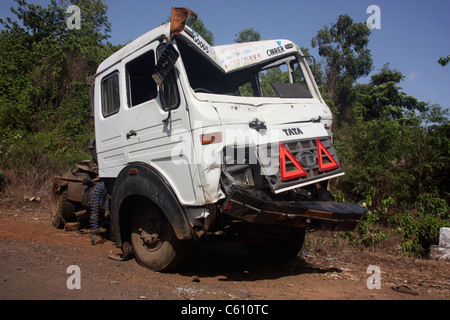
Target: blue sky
{"x":413,"y":36}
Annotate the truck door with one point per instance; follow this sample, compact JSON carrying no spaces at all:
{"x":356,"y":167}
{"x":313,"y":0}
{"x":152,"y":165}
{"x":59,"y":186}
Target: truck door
{"x":108,"y":119}
{"x":151,"y":133}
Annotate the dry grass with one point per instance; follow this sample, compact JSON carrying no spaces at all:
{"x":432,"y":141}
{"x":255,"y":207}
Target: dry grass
{"x":27,"y":186}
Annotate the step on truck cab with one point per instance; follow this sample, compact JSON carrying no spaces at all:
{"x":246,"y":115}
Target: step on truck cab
{"x":197,"y":142}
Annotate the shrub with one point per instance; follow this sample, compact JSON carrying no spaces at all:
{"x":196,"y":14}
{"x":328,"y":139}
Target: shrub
{"x":369,"y":232}
{"x":420,"y":227}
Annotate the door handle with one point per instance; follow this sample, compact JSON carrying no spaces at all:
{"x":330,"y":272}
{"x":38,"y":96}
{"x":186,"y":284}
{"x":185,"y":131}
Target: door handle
{"x":130,"y":134}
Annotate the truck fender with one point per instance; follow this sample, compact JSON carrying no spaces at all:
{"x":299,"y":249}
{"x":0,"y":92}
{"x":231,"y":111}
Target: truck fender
{"x":141,"y":180}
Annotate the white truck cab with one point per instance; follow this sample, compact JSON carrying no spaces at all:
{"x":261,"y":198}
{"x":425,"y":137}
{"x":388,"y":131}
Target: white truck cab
{"x":194,"y":141}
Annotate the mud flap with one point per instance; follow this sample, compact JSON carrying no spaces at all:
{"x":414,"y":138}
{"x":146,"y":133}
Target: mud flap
{"x":255,"y":207}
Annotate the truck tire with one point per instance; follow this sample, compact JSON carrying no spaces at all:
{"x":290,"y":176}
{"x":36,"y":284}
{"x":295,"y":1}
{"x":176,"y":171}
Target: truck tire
{"x":155,"y":244}
{"x":278,"y":251}
{"x":61,"y":209}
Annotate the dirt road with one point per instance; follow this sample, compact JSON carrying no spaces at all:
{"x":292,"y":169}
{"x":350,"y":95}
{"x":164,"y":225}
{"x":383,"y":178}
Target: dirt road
{"x":35,"y":258}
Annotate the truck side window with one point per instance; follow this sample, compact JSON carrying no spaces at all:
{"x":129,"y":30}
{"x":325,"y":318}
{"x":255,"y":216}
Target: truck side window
{"x":277,"y":74}
{"x":285,"y":80}
{"x":168,"y":92}
{"x":140,"y":84}
{"x":246,"y":90}
{"x":298,"y":74}
{"x":110,"y":95}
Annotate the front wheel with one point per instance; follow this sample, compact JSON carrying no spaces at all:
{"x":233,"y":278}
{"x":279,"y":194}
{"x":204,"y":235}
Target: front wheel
{"x":155,"y":244}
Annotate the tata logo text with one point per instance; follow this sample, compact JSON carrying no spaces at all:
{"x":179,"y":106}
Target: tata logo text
{"x":293,"y":132}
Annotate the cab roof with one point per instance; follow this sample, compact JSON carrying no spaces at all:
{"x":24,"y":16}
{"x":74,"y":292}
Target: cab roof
{"x":227,"y":57}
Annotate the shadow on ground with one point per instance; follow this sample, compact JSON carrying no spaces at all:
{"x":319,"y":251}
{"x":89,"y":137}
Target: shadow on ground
{"x":232,"y":262}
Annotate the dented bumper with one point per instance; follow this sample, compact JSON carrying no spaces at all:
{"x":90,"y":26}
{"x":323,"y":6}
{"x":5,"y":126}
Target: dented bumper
{"x":253,"y":207}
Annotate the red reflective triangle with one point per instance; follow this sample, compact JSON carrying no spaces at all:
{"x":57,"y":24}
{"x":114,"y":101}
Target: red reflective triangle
{"x":284,"y":175}
{"x":328,"y":166}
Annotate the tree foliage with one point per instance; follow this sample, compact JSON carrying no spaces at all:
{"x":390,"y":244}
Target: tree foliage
{"x":443,"y":61}
{"x":44,"y":106}
{"x":397,"y":147}
{"x":382,"y":98}
{"x":393,"y":147}
{"x":344,"y":47}
{"x":248,"y":35}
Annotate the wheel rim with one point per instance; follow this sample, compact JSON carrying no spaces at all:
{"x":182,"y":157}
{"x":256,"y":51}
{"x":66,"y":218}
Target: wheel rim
{"x":151,"y":230}
{"x":154,"y":243}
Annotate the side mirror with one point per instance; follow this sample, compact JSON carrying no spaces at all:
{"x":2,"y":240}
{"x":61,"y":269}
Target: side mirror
{"x":165,"y":64}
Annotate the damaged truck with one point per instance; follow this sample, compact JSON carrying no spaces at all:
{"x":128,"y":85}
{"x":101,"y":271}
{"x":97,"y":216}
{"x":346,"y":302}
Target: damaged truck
{"x":195,"y":142}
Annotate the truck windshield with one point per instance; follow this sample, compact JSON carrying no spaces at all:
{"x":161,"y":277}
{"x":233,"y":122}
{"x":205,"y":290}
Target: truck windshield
{"x":282,"y":78}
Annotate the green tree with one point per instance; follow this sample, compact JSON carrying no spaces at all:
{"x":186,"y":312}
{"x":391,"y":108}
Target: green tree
{"x":16,"y":88}
{"x":383,"y":98}
{"x":45,"y":115}
{"x":248,"y":35}
{"x":397,"y":145}
{"x":344,"y":47}
{"x":443,"y":61}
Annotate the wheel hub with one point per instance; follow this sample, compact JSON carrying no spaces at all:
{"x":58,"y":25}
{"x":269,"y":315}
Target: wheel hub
{"x":149,"y":236}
